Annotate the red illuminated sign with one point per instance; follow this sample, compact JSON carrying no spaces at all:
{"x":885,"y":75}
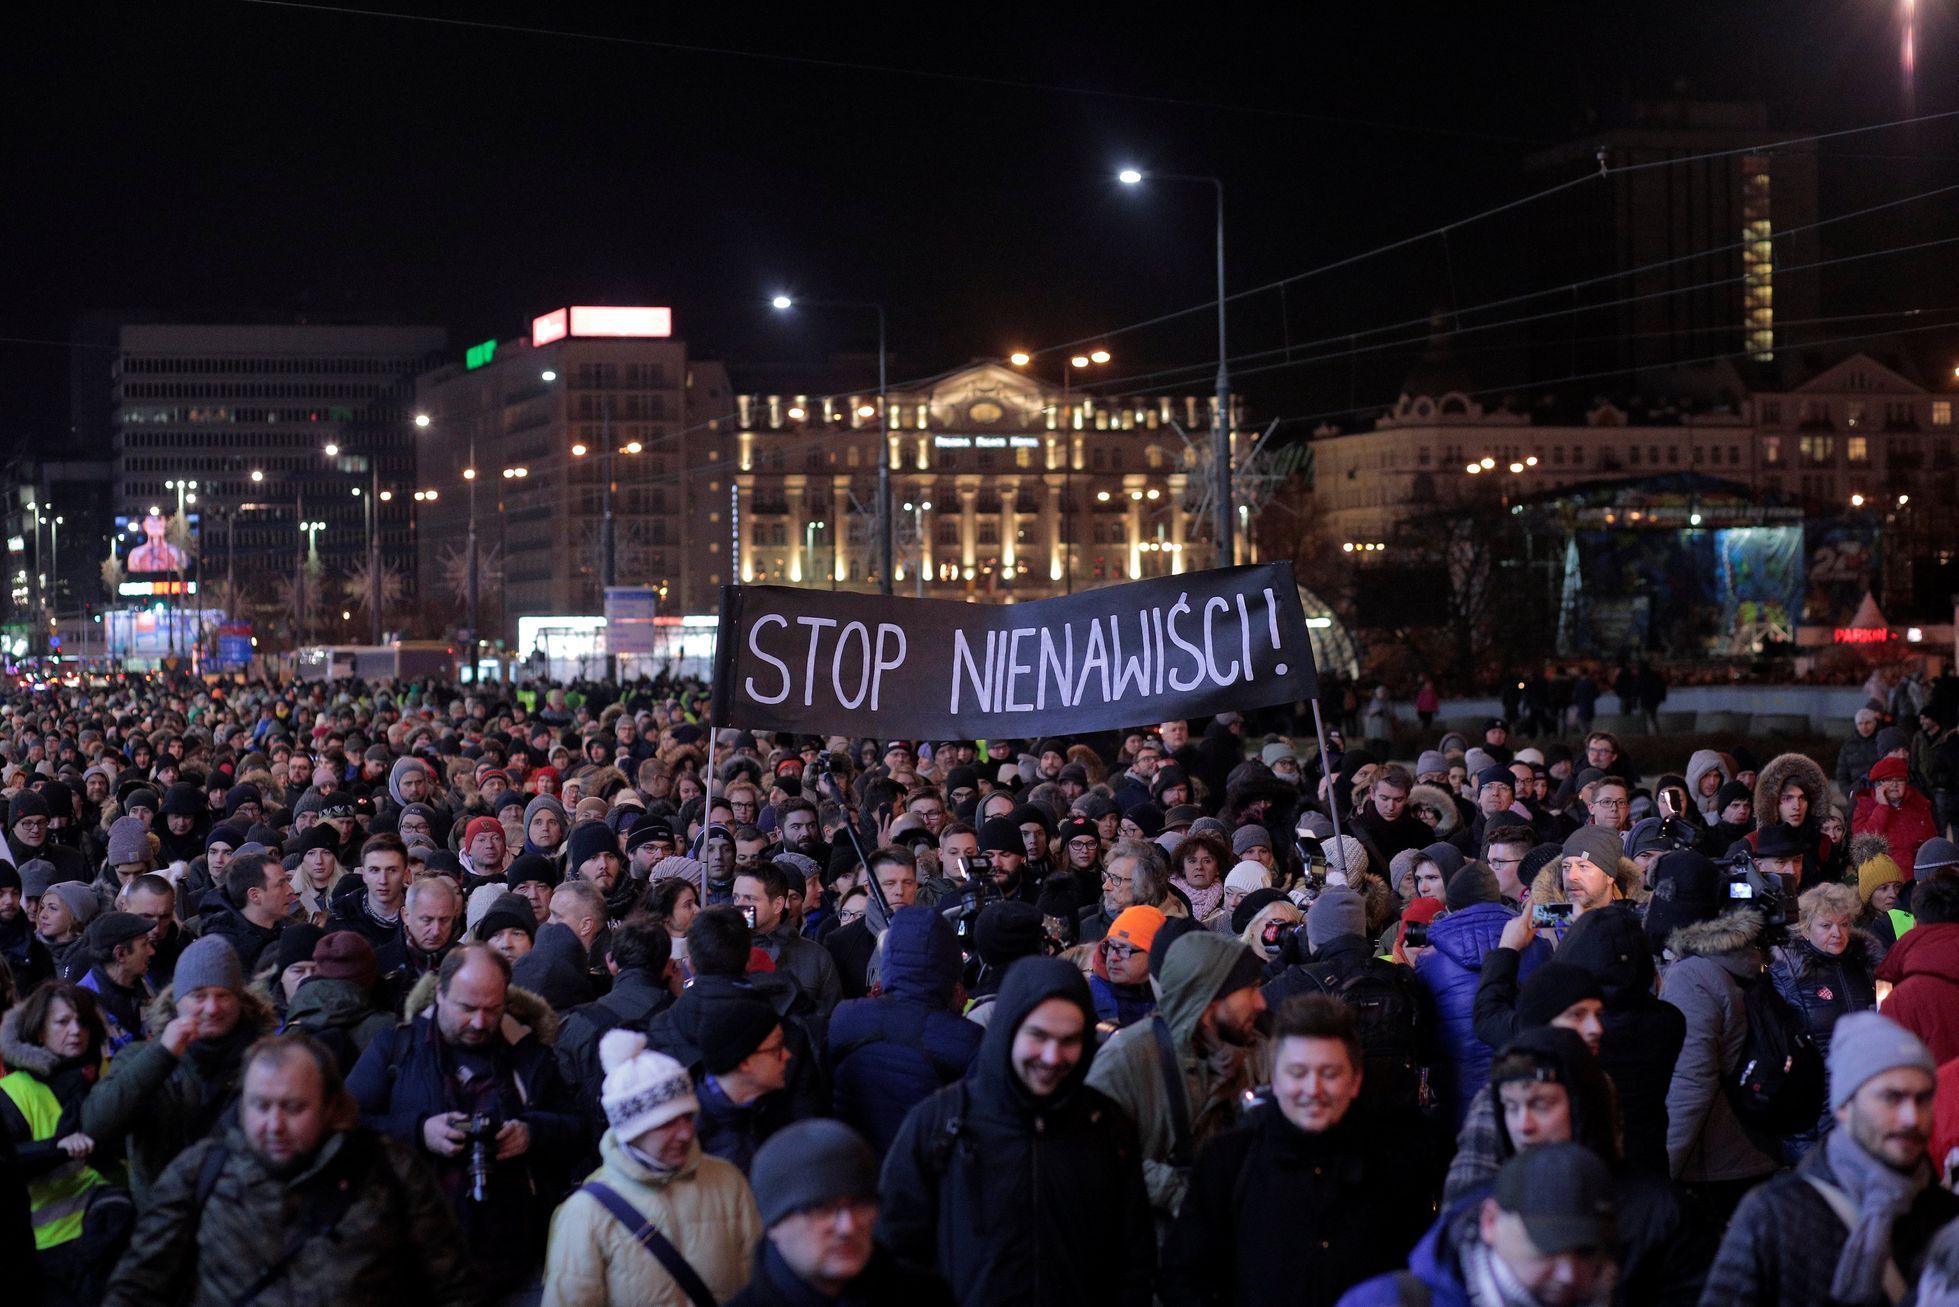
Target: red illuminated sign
{"x":1860,"y":635}
{"x":601,"y":320}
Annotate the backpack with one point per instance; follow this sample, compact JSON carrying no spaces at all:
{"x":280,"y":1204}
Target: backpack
{"x":1777,"y":1086}
{"x":1389,"y":1016}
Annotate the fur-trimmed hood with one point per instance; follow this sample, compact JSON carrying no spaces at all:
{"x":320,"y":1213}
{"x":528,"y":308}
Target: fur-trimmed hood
{"x":255,"y":1006}
{"x":1377,"y":899}
{"x":524,"y":1013}
{"x":20,"y":1053}
{"x":1776,"y":775}
{"x":1548,"y":885}
{"x":1733,"y":934}
{"x":1439,"y":799}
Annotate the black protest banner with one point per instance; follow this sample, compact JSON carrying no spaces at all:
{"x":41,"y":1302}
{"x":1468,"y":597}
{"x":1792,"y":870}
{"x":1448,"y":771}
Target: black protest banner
{"x":821,"y":662}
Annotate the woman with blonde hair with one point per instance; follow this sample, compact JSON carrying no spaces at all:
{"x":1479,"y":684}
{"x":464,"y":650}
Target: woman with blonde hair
{"x":1826,"y":971}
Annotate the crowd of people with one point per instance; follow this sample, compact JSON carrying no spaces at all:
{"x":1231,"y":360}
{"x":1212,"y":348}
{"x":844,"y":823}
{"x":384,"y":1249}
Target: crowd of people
{"x":351,"y":993}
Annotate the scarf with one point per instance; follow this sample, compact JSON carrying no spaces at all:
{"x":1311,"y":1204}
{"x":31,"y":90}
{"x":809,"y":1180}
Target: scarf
{"x":1488,"y":1281}
{"x":1203,"y":902}
{"x":1881,"y":1195}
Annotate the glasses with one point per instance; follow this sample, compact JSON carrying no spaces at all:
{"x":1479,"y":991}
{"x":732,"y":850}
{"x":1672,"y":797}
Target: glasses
{"x":848,"y":915}
{"x":1111,"y":878}
{"x":1609,"y":803}
{"x":1120,"y":952}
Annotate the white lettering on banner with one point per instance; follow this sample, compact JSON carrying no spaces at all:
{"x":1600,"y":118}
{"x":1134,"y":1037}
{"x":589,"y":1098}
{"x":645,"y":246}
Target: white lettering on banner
{"x":1195,"y":639}
{"x":755,"y":647}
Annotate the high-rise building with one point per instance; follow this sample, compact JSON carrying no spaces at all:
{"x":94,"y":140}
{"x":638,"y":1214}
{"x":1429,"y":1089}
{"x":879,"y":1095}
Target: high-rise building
{"x":230,"y":439}
{"x":598,"y":409}
{"x":1699,"y":242}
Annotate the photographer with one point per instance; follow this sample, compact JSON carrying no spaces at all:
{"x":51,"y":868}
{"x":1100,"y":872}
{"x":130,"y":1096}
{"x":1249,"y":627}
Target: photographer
{"x":486,"y":1109}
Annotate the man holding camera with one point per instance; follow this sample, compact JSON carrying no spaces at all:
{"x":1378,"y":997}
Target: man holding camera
{"x":481,"y":1098}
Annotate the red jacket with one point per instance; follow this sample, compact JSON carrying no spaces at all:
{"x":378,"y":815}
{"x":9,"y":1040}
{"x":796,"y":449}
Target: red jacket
{"x":1923,"y":967}
{"x":1945,"y":1116}
{"x":1907,"y":826}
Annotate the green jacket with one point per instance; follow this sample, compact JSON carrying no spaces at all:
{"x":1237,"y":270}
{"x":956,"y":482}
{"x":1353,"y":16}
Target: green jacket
{"x":1129,"y":1068}
{"x":160,"y":1104}
{"x":396,"y":1243}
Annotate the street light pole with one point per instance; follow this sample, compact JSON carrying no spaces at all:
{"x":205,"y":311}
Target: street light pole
{"x":884,"y":513}
{"x":1223,"y":509}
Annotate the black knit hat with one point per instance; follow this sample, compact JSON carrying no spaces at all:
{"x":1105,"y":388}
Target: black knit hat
{"x":507,"y":912}
{"x":588,"y":840}
{"x":1007,"y":930}
{"x":529,"y":867}
{"x":1551,"y":989}
{"x":732,"y":1027}
{"x":1001,"y":835}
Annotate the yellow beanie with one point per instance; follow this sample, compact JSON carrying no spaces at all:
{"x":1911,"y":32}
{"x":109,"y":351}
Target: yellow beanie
{"x":1875,"y":873}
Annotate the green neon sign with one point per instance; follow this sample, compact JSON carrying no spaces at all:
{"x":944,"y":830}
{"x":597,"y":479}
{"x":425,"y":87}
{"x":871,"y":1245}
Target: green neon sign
{"x":477,"y":355}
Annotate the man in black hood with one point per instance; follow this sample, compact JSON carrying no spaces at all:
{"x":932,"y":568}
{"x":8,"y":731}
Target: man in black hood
{"x":1020,"y":1184}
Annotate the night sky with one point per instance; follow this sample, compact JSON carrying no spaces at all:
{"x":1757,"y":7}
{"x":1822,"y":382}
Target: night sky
{"x":234,"y":161}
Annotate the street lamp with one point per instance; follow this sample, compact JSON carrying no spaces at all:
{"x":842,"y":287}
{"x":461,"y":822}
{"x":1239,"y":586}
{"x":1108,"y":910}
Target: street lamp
{"x":809,"y":546}
{"x":1221,"y":421}
{"x":782,"y":303}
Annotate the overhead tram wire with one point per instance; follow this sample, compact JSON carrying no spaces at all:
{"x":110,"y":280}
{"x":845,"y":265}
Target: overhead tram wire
{"x":1599,"y":174}
{"x":1195,"y":370}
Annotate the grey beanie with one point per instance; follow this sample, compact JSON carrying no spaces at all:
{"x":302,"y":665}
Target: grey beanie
{"x":1431,"y":763}
{"x":36,"y":874}
{"x":1865,"y":1044}
{"x":1472,"y":883}
{"x":1603,"y":847}
{"x":809,"y":1164}
{"x":1315,"y":824}
{"x":543,"y":803}
{"x":211,"y":962}
{"x":129,"y":841}
{"x":81,"y":900}
{"x":1337,"y":911}
{"x":1253,"y":836}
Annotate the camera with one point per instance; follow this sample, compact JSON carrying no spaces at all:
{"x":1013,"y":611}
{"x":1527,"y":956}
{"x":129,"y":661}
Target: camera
{"x":1768,"y":892}
{"x":1416,"y":936}
{"x":974,"y":866}
{"x":480,"y":1143}
{"x":1286,"y":941}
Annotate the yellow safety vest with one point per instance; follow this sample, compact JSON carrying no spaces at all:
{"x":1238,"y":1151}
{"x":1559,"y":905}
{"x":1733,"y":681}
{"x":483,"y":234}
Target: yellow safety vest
{"x":60,"y":1196}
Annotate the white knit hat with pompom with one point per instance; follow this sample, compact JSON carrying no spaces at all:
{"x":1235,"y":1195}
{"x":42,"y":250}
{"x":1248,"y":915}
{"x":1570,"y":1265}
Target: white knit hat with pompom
{"x":643,"y":1089}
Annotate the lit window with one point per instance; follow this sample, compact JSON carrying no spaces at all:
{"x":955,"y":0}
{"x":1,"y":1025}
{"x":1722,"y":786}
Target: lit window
{"x":1941,"y":412}
{"x":1858,"y":449}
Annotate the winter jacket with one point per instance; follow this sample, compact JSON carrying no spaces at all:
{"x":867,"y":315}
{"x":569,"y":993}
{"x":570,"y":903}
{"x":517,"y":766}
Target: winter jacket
{"x":1906,"y":826}
{"x":1855,"y":758}
{"x":1120,"y":1005}
{"x":885,"y":1282}
{"x":1436,"y":1262}
{"x":1451,"y":968}
{"x":352,"y":913}
{"x":850,"y":948}
{"x":634,"y":997}
{"x":808,"y":962}
{"x":409,"y":1073}
{"x":1013,"y":1199}
{"x":1705,"y":1139}
{"x":1822,"y":988}
{"x":675,"y":1031}
{"x":704,"y":1209}
{"x":1924,"y":968}
{"x":219,"y":917}
{"x":24,"y":953}
{"x":396,"y":1242}
{"x":1353,"y":1200}
{"x":1781,"y":1249}
{"x":1775,"y":776}
{"x":889,"y":1053}
{"x":1643,"y":1034}
{"x":40,"y":1104}
{"x":161,"y":1104}
{"x":338,"y":1013}
{"x":557,"y":968}
{"x":1129,"y":1067}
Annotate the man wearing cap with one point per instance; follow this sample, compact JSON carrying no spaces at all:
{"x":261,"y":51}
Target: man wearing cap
{"x":1208,"y":1025}
{"x":1543,"y":1238}
{"x":420,"y":1083}
{"x":1021,"y":1183}
{"x":120,"y":947}
{"x":164,"y":1093}
{"x":1891,"y":807}
{"x":27,"y":838}
{"x":25,"y":956}
{"x":484,"y":855}
{"x":1853,"y":1223}
{"x":1592,"y":871}
{"x":654,"y":1189}
{"x":816,"y":1185}
{"x":338,"y":1003}
{"x":1120,"y":970}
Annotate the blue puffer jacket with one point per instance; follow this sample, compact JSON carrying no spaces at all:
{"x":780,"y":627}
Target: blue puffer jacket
{"x":1452,"y":968}
{"x":890,"y":1052}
